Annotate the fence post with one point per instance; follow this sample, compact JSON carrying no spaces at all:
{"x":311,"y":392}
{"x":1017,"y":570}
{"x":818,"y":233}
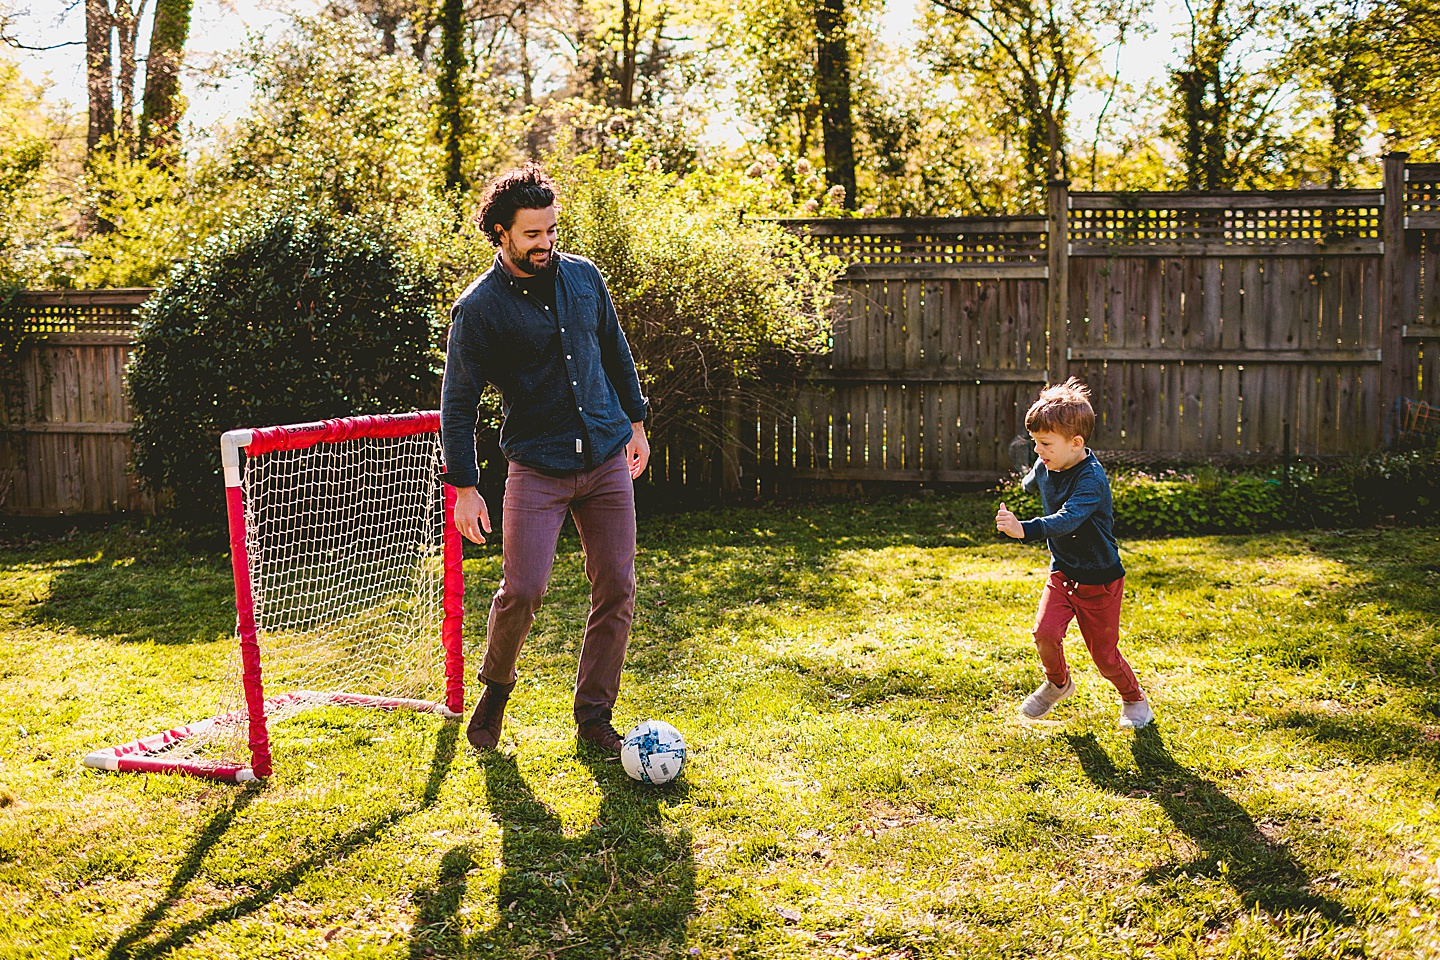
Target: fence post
{"x":1057,"y":285}
{"x":1392,"y":273}
{"x":729,"y":443}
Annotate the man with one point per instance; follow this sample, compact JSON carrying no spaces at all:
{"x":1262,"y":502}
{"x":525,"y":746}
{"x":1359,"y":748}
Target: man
{"x":540,"y":325}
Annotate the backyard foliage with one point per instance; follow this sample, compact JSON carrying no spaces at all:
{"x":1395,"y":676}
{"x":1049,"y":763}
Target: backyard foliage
{"x":1401,"y":487}
{"x":382,"y":105}
{"x":710,"y":303}
{"x":280,"y":318}
{"x":847,"y":677}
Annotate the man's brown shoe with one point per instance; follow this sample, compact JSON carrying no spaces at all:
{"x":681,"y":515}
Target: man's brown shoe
{"x":600,"y":735}
{"x":483,"y":731}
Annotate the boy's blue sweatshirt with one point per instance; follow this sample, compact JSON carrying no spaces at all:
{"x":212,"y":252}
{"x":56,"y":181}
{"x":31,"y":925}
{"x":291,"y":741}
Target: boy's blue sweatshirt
{"x":1078,"y":522}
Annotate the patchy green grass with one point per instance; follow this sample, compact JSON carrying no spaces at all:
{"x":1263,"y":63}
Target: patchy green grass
{"x":859,"y":787}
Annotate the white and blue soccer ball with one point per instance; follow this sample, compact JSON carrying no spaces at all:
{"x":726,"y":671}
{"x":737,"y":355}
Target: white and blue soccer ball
{"x":653,"y":752}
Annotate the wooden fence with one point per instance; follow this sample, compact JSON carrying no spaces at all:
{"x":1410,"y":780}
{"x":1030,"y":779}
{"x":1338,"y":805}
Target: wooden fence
{"x":73,"y":445}
{"x":1234,"y":324}
{"x":1207,"y":325}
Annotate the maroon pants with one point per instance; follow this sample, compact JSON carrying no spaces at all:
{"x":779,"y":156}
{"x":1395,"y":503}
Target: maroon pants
{"x":602,"y":502}
{"x":1096,"y":608}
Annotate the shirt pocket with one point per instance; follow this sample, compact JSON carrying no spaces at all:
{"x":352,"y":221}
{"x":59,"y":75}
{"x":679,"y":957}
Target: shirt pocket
{"x":587,"y":313}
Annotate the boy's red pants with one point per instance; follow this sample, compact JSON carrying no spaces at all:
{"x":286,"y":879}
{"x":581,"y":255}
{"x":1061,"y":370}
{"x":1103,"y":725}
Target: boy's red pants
{"x":1096,"y":608}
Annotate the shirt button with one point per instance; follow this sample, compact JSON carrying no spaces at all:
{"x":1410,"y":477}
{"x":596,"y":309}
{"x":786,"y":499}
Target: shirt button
{"x":574,"y":383}
{"x":562,"y":329}
{"x":567,"y":356}
{"x":581,"y":409}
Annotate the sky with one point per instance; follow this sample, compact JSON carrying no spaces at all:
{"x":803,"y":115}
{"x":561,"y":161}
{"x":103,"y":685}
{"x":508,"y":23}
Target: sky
{"x":219,"y":27}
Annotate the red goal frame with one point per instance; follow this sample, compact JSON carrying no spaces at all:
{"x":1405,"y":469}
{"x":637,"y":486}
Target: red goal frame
{"x":136,"y":755}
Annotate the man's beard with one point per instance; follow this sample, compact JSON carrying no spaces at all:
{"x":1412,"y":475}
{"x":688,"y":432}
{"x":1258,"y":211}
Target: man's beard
{"x":523,"y":262}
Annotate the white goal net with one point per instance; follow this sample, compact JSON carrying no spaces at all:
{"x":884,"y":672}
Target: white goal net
{"x":347,"y":587}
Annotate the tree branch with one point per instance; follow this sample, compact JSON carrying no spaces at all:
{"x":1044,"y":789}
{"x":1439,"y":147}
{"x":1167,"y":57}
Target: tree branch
{"x":17,"y":45}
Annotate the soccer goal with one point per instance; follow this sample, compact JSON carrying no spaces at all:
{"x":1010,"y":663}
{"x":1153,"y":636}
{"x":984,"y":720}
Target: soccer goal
{"x":348,"y":588}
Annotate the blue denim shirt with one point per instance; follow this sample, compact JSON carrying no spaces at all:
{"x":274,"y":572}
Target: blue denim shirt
{"x":568,"y":387}
{"x":1079,"y":521}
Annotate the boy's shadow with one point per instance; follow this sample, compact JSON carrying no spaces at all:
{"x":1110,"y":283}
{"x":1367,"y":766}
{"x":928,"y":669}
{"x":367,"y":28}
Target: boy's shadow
{"x":1232,"y":847}
{"x":627,"y":883}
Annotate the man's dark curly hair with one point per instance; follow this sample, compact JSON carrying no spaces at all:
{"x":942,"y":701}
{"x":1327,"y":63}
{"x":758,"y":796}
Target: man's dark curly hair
{"x":524,"y":188}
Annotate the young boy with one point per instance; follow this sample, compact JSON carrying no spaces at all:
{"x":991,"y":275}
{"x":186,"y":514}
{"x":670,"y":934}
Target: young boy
{"x":1086,"y":579}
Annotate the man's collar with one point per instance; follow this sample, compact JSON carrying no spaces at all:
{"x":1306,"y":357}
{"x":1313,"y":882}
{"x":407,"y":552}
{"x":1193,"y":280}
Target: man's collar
{"x":510,"y":278}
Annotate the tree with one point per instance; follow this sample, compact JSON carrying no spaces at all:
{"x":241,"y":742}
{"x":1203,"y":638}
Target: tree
{"x":1226,"y":113}
{"x":1402,"y":89}
{"x":1032,"y":55}
{"x":163,"y":108}
{"x":27,"y":213}
{"x":126,"y":19}
{"x":99,"y":82}
{"x":335,"y":122}
{"x":452,"y":71}
{"x":832,"y":81}
{"x":773,"y":50}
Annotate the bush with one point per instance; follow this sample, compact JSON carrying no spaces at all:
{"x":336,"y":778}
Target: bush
{"x":710,"y":303}
{"x":1388,"y":487}
{"x":279,"y":318}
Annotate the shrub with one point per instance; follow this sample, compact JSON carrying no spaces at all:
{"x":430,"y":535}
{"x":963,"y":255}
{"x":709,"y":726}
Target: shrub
{"x":1386,"y":487}
{"x":710,"y":303}
{"x":279,"y":318}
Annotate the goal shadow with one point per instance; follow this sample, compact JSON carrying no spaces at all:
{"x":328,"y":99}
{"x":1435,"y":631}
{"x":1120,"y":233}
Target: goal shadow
{"x":135,"y":943}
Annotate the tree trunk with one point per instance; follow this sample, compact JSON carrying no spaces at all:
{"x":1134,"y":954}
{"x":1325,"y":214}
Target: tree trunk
{"x":127,"y":25}
{"x":99,"y":83}
{"x":527,"y":74}
{"x":832,"y":78}
{"x":629,"y":40}
{"x":452,"y":69}
{"x":160,"y":119}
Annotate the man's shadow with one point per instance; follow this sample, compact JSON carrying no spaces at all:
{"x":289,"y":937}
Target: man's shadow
{"x":628,"y":883}
{"x":1232,"y":847}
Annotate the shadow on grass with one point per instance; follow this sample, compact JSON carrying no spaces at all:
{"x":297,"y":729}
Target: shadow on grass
{"x":134,"y":943}
{"x":1232,"y":846}
{"x":626,"y":885}
{"x":133,"y":584}
{"x":1377,"y":616}
{"x":1363,"y":734}
{"x":731,"y":566}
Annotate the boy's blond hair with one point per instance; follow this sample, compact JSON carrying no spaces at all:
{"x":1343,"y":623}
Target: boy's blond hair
{"x":1063,"y":408}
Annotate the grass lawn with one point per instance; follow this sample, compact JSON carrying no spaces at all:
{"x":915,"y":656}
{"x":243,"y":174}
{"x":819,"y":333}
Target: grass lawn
{"x":859,"y":786}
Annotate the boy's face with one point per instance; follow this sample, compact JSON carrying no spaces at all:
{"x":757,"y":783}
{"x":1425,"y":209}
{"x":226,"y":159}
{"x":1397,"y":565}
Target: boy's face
{"x":1058,"y":452}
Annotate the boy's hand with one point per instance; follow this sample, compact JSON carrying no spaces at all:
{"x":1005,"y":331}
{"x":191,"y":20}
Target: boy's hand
{"x":1008,"y":524}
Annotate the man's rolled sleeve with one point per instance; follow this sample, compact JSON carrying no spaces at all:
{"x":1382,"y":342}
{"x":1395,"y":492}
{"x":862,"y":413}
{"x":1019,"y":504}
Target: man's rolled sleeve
{"x":617,"y":360}
{"x":465,"y":377}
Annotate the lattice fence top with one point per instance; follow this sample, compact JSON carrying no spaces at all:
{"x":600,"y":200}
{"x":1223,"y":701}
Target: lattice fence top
{"x":1350,"y":219}
{"x":82,"y":311}
{"x":915,"y":240}
{"x":1422,"y":194}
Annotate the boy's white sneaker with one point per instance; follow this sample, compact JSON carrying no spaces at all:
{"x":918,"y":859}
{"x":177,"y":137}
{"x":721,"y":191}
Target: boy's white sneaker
{"x":1135,"y":715}
{"x":1043,"y":700}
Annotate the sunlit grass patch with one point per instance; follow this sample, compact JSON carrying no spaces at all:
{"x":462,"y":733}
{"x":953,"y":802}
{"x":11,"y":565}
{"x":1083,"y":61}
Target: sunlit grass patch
{"x":846,"y":676}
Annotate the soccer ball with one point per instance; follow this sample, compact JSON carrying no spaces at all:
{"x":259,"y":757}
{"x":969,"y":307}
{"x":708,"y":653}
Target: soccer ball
{"x":653,"y":752}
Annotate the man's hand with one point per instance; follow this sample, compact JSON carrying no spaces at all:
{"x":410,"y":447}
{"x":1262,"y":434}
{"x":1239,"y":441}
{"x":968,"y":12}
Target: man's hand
{"x":1008,"y":524}
{"x":637,"y":451}
{"x":471,"y":514}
